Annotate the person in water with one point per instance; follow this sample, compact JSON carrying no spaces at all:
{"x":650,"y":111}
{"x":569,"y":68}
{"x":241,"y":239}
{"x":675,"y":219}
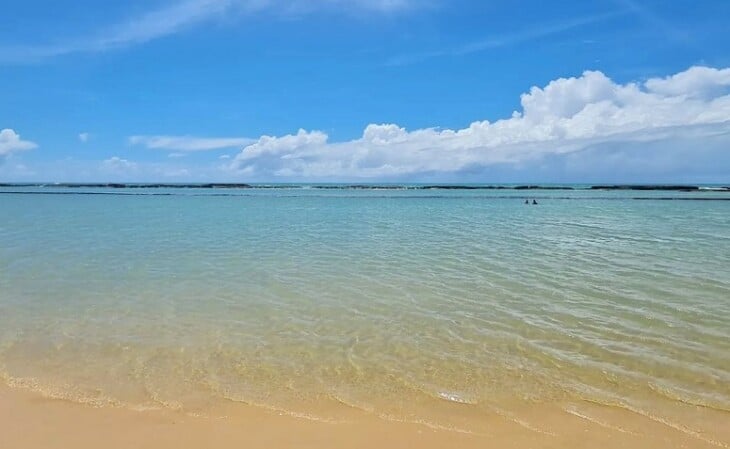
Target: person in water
{"x":534,"y":201}
{"x":527,"y":201}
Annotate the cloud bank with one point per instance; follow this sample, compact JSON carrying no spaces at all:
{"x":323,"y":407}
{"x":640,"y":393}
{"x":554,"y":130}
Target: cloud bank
{"x":580,"y":129}
{"x":10,"y":142}
{"x":583,"y":125}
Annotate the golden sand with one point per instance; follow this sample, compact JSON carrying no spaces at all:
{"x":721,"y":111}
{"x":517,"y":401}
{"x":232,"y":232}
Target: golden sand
{"x":30,"y":421}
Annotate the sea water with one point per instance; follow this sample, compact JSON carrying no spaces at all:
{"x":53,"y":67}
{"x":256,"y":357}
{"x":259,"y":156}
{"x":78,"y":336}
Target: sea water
{"x":423,"y":305}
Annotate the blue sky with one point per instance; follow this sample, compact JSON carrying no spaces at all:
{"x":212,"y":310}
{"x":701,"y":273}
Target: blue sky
{"x":381,"y":90}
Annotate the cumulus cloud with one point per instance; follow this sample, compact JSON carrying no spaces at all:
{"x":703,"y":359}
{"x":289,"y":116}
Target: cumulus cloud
{"x":682,"y":115}
{"x":10,"y":142}
{"x":189,"y":143}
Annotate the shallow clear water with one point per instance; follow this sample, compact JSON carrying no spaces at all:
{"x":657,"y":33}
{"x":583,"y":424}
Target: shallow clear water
{"x":420,"y":305}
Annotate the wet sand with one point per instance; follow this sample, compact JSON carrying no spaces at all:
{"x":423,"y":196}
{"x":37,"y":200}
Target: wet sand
{"x":30,"y":421}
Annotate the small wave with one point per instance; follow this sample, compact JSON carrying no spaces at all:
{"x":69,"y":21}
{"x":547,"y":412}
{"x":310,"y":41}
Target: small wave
{"x":675,"y":396}
{"x":362,"y":407}
{"x":456,"y":397}
{"x":60,"y":392}
{"x":282,"y":411}
{"x":582,"y":415}
{"x":678,"y":427}
{"x":389,"y":417}
{"x":511,"y":417}
{"x":70,"y":394}
{"x":430,"y":425}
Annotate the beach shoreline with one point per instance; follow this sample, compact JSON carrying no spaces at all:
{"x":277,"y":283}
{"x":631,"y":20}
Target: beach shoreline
{"x":29,"y":420}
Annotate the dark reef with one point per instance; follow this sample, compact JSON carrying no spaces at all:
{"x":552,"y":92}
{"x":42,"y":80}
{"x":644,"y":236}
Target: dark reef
{"x":679,"y":188}
{"x":625,"y":187}
{"x":117,"y":185}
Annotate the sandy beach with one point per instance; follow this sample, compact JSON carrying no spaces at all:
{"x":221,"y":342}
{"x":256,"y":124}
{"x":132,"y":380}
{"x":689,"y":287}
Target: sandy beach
{"x":31,"y":421}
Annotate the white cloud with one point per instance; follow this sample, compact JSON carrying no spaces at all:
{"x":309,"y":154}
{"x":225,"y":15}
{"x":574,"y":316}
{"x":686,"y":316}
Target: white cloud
{"x":681,"y":115}
{"x":118,"y":165}
{"x":181,"y":15}
{"x":10,"y":142}
{"x":189,"y":143}
{"x":696,"y":82}
{"x":84,"y":137}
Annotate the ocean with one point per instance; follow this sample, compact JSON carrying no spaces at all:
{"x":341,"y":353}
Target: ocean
{"x":448,"y":307}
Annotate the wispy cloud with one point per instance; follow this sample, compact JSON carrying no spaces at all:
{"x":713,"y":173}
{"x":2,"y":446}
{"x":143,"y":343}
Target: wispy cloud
{"x":181,"y":15}
{"x":521,"y":36}
{"x":149,"y":26}
{"x":536,"y":32}
{"x":668,"y":29}
{"x":189,"y":143}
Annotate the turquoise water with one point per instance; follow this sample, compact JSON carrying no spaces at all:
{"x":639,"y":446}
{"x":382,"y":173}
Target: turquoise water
{"x":430,"y":305}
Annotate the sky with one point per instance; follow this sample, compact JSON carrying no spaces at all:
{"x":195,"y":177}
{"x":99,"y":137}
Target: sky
{"x":622,"y":91}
